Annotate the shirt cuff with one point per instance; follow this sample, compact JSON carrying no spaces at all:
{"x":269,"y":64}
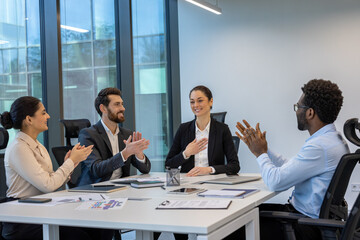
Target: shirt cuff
{"x":141,"y":160}
{"x":69,"y":162}
{"x":123,"y":157}
{"x":212,"y":170}
{"x":184,"y":155}
{"x":262,"y":157}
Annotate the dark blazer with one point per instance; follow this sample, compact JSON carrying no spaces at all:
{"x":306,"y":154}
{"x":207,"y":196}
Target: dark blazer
{"x":220,"y":145}
{"x":101,"y":163}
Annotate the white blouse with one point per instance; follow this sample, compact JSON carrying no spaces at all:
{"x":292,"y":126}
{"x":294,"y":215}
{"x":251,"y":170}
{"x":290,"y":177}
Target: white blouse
{"x":29,"y":170}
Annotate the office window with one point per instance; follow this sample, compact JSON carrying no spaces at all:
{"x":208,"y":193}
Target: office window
{"x":20,"y":58}
{"x":150,"y":77}
{"x":88,"y":54}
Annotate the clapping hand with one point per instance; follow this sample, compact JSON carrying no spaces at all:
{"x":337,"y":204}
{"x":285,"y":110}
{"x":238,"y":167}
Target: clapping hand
{"x":79,"y":153}
{"x":254,"y":139}
{"x":135,"y":144}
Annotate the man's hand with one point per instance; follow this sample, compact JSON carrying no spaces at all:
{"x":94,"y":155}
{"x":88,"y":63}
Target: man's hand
{"x":254,"y":139}
{"x":195,"y":147}
{"x":135,"y":144}
{"x":198,"y":171}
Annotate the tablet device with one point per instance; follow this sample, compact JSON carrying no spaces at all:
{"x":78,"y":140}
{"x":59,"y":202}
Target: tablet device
{"x":186,"y":191}
{"x":34,"y":200}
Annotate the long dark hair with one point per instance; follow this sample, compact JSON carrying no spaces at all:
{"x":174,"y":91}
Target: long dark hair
{"x":21,"y":107}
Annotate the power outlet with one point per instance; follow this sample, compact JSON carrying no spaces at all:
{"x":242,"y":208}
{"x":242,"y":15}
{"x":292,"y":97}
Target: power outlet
{"x":355,"y":187}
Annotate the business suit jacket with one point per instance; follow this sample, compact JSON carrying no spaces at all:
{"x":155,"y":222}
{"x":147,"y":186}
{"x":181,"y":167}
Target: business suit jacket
{"x":220,"y":144}
{"x":101,"y":163}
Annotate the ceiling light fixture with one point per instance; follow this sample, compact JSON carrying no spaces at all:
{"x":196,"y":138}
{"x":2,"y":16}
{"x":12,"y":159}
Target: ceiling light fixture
{"x":3,"y":42}
{"x":208,"y":6}
{"x":80,"y":30}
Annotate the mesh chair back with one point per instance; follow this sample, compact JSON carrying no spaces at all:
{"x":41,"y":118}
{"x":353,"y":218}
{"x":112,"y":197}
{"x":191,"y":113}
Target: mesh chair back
{"x":73,"y":127}
{"x":334,"y":205}
{"x":350,"y":128}
{"x":219,"y":116}
{"x":4,"y":138}
{"x":352,"y":226}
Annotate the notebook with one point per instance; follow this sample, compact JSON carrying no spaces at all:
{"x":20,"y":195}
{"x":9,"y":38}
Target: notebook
{"x":97,"y":189}
{"x":233,"y":180}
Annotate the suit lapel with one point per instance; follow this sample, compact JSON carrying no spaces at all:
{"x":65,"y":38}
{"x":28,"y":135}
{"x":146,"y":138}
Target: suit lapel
{"x":121,"y":137}
{"x":192,"y":132}
{"x":103,"y":134}
{"x":211,"y":141}
{"x":191,"y":138}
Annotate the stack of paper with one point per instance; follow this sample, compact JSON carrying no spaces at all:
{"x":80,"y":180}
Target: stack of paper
{"x":194,"y":204}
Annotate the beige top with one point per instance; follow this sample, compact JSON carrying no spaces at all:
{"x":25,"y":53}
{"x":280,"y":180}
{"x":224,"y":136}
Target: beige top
{"x":29,"y":170}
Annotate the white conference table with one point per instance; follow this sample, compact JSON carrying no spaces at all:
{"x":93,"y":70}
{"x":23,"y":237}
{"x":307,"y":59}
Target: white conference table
{"x":142,"y":216}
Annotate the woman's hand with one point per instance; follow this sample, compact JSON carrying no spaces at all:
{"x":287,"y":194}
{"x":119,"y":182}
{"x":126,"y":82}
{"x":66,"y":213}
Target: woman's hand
{"x":79,"y":153}
{"x":196,"y":171}
{"x":195,"y":147}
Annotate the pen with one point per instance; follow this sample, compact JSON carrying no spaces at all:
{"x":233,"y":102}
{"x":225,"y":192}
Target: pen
{"x":102,"y":196}
{"x":163,"y":187}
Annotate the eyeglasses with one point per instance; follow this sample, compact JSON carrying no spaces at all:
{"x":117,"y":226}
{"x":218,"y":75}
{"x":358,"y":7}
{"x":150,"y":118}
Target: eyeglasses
{"x":297,"y":106}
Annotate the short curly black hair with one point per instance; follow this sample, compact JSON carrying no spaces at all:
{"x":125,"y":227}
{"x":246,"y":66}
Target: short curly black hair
{"x":324,"y":97}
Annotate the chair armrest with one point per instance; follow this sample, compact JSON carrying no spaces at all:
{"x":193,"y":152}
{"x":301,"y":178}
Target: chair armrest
{"x":286,"y":216}
{"x":328,"y":223}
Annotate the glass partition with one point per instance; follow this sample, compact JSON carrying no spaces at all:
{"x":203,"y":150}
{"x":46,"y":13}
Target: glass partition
{"x":20,"y":56}
{"x":88,"y":54}
{"x":150,"y":77}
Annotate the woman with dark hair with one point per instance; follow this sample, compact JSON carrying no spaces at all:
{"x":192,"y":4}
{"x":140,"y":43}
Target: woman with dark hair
{"x":201,"y":145}
{"x":28,"y":166}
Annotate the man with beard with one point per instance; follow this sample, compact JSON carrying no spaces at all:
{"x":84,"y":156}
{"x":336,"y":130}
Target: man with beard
{"x":311,"y":170}
{"x":115,"y":148}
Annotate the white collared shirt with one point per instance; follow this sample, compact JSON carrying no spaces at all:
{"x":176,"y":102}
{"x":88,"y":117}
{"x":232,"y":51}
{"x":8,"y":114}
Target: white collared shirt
{"x":201,"y":158}
{"x":114,"y":142}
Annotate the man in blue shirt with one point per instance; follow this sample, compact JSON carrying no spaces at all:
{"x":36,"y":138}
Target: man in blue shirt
{"x":311,"y":170}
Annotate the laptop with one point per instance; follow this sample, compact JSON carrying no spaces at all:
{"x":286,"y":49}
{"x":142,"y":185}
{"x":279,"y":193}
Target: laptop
{"x":231,"y":180}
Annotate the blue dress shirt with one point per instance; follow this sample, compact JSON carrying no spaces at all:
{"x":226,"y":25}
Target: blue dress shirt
{"x":310,"y":171}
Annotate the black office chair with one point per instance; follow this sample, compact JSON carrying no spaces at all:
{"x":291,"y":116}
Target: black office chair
{"x":334,"y":205}
{"x":72,"y":129}
{"x":4,"y":138}
{"x":236,"y":141}
{"x":219,"y":116}
{"x":336,"y":229}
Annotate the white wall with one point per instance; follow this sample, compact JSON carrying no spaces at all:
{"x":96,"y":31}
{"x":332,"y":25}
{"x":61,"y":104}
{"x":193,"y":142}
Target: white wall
{"x":257,"y":55}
